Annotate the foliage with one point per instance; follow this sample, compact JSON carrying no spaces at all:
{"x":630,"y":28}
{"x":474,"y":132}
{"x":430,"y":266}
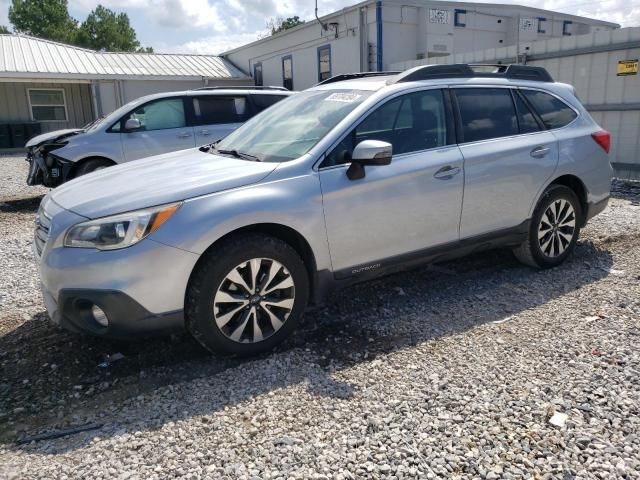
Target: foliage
{"x":279,"y":24}
{"x":103,"y":29}
{"x":47,"y":19}
{"x":4,"y":29}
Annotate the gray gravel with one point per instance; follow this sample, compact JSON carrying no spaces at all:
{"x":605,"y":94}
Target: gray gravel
{"x":451,"y":371}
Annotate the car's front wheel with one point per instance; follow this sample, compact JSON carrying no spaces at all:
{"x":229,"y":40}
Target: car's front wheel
{"x":247,"y":295}
{"x":554,"y":230}
{"x":92,"y":165}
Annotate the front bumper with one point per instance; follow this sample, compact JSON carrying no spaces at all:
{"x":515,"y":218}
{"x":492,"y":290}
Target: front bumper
{"x":140,"y":288}
{"x":126,"y":317}
{"x":50,"y":171}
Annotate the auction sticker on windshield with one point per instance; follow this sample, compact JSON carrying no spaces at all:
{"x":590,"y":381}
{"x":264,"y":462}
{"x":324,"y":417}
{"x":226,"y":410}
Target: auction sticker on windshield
{"x":346,"y":97}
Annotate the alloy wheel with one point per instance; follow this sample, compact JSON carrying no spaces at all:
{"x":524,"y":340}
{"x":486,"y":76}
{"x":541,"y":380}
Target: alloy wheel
{"x":557,"y":228}
{"x":254,"y":300}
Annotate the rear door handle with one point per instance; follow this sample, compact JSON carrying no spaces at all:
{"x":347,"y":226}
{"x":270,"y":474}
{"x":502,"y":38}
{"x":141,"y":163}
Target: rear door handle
{"x":204,"y":133}
{"x":446,"y":173}
{"x":184,"y":135}
{"x":540,"y":152}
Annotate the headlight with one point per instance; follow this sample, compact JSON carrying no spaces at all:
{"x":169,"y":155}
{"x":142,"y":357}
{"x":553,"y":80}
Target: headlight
{"x":119,"y":231}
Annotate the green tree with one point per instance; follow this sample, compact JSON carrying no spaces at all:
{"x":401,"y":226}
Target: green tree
{"x":47,"y":19}
{"x":280,"y":24}
{"x":105,"y":29}
{"x":4,"y":29}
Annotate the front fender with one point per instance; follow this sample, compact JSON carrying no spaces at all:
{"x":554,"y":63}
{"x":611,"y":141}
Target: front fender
{"x":294,"y":202}
{"x":100,"y":144}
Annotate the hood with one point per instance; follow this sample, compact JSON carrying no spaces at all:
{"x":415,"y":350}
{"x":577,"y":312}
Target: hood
{"x":52,"y":136}
{"x":157,"y":180}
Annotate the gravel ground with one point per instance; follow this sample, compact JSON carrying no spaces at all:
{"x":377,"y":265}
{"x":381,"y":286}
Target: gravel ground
{"x":478,"y":368}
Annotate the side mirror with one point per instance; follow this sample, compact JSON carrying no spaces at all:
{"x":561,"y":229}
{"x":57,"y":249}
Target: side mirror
{"x":132,"y":124}
{"x":368,"y":152}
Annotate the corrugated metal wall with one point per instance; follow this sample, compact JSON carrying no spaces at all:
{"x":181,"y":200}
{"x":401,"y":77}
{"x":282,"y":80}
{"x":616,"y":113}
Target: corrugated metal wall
{"x":14,"y":103}
{"x":589,"y":62}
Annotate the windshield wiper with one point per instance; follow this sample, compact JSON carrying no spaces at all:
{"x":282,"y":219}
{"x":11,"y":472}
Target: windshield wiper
{"x":237,"y":154}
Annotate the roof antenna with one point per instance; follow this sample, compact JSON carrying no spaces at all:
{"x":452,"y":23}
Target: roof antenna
{"x":324,"y":25}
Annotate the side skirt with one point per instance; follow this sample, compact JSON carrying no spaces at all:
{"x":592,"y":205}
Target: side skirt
{"x":326,"y":282}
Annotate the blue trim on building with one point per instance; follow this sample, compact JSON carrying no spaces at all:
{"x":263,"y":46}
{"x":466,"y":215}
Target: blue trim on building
{"x":540,"y":20}
{"x":456,"y":21}
{"x":326,"y":47}
{"x":379,"y":36}
{"x":255,"y":75}
{"x":284,"y":83}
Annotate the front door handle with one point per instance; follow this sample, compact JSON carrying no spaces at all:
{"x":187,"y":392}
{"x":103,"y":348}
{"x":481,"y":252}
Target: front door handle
{"x":184,"y":135}
{"x":204,"y":133}
{"x":540,"y":152}
{"x":447,"y":173}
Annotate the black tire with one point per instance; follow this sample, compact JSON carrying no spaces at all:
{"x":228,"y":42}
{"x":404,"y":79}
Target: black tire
{"x":92,"y":165}
{"x":212,"y":273}
{"x":531,"y":251}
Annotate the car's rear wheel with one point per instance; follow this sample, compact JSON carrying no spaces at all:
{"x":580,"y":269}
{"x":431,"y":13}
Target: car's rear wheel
{"x":247,"y":295}
{"x":554,"y":230}
{"x":92,"y":165}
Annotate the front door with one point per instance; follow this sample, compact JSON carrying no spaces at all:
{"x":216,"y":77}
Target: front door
{"x":508,"y":157}
{"x":163,"y":128}
{"x":410,"y":205}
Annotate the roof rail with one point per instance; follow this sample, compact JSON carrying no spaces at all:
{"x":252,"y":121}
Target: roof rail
{"x":244,"y":87}
{"x":351,"y":76}
{"x":463,"y":70}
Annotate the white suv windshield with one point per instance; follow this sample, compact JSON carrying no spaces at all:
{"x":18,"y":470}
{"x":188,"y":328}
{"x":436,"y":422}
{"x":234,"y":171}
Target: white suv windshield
{"x":293,"y":126}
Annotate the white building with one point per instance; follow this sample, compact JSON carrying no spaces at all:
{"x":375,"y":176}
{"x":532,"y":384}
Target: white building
{"x":371,"y":35}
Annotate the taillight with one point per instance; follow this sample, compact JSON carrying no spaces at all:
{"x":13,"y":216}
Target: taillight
{"x":603,"y":138}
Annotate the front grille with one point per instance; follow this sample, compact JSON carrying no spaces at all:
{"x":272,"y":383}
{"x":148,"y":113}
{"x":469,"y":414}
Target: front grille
{"x":41,"y":235}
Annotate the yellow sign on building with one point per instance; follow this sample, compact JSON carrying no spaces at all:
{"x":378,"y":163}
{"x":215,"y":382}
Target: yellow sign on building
{"x":627,"y":67}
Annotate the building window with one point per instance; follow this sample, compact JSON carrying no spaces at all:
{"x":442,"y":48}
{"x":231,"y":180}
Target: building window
{"x":257,"y":74}
{"x":324,"y":62}
{"x":541,"y":25}
{"x":287,"y":72}
{"x":565,"y":27}
{"x":457,"y":18}
{"x":47,"y":105}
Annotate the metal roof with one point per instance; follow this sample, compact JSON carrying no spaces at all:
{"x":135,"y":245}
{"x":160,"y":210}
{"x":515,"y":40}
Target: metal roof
{"x":22,"y":56}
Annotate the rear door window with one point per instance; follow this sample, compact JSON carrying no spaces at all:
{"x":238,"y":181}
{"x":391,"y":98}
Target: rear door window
{"x":554,"y":112}
{"x":486,"y":113}
{"x":262,"y":102}
{"x":216,"y":109}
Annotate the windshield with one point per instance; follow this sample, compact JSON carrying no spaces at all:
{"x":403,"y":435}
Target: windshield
{"x":290,"y":128}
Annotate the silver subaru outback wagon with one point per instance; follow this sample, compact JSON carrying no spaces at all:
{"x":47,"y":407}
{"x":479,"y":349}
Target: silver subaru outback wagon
{"x":361,"y":175}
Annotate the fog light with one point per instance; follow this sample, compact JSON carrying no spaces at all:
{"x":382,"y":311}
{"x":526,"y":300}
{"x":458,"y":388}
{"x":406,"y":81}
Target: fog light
{"x":99,"y":316}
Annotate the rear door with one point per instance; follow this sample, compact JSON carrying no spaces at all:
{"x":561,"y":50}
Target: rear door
{"x":508,"y":156}
{"x":163,"y":128}
{"x":216,"y":116}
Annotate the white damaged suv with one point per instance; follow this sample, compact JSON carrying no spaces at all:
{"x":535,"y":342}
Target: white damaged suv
{"x":150,"y":125}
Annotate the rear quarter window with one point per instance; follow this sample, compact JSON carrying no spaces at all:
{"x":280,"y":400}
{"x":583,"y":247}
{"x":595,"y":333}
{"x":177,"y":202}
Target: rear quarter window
{"x":553,"y":111}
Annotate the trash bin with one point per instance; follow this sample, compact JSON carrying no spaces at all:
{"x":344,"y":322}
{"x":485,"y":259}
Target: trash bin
{"x":5,"y":136}
{"x":17,"y":135}
{"x":31,"y":130}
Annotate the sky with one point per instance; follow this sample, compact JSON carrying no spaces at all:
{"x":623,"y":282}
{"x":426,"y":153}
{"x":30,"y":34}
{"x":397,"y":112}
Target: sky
{"x":214,"y":26}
